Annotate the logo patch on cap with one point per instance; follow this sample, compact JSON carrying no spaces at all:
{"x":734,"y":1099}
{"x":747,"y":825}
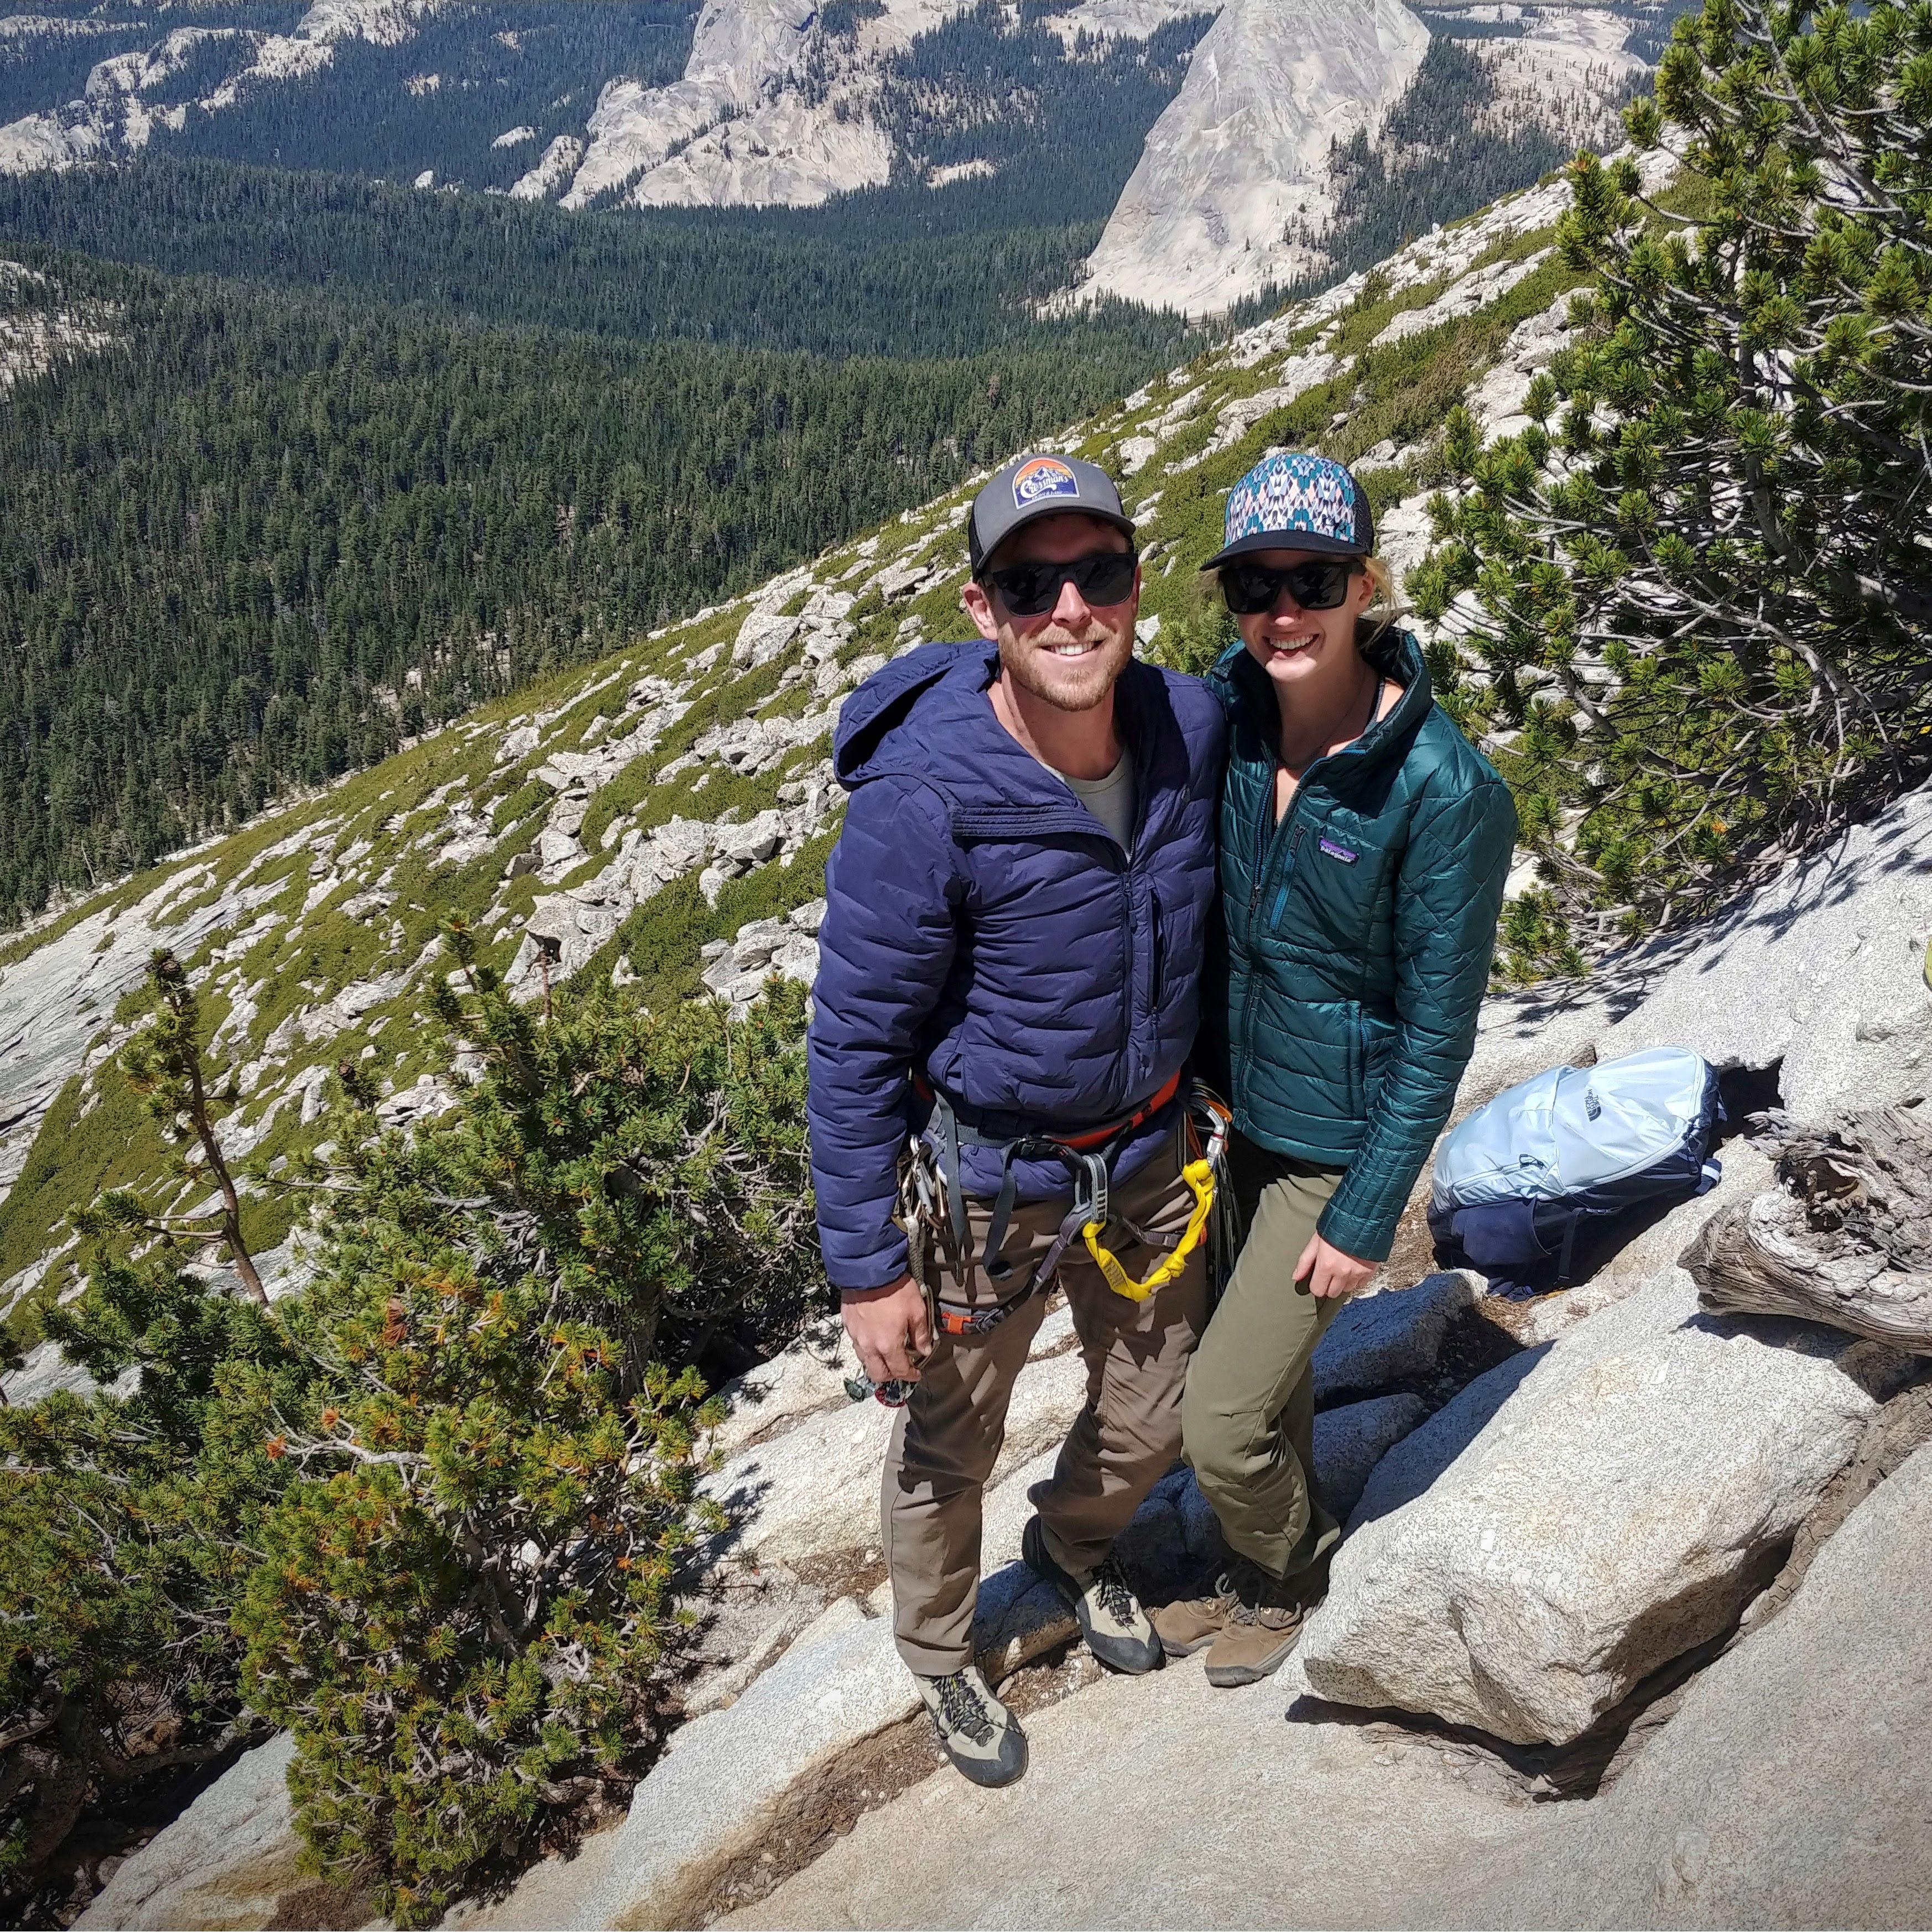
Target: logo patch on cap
{"x":1043,"y":476}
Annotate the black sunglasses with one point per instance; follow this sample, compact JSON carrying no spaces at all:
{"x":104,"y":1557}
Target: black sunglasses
{"x":1031,"y":589}
{"x":1253,"y":588}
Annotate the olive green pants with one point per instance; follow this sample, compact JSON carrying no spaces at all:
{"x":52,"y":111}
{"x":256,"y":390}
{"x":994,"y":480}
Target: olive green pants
{"x":1248,"y":1412}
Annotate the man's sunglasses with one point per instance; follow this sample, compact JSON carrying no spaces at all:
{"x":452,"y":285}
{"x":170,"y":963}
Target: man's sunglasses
{"x":1253,"y":588}
{"x":1032,"y":589}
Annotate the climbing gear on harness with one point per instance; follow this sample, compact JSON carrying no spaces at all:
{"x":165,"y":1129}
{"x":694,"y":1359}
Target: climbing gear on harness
{"x":1085,"y":1150}
{"x":894,"y":1393}
{"x":934,"y":1197}
{"x":1200,"y":1175}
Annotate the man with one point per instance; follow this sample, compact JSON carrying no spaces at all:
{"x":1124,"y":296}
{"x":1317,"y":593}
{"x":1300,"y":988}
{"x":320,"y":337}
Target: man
{"x":1007,"y":991}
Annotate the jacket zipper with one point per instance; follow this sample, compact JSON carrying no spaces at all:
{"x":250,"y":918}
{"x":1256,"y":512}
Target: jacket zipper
{"x":1265,"y":849}
{"x":1128,"y":873}
{"x":1267,"y":840}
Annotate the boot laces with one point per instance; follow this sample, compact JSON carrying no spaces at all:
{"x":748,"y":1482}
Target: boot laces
{"x":1255,"y":1591}
{"x":962,"y":1707}
{"x":1111,"y":1590}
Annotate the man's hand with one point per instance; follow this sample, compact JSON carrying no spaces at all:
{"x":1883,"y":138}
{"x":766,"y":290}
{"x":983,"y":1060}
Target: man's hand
{"x":891,"y":1328}
{"x":1328,"y":1271}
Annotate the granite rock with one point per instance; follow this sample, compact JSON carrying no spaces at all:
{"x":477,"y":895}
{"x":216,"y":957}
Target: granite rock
{"x":1615,"y":1511}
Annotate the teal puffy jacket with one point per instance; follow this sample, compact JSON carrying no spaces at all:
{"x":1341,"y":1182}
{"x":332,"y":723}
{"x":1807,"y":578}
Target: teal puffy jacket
{"x":1359,"y":933}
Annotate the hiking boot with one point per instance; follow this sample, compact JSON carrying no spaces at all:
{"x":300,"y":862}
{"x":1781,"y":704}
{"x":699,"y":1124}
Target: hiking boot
{"x":1195,"y":1622}
{"x":1263,"y":1626}
{"x":1109,"y":1614}
{"x":981,"y":1737}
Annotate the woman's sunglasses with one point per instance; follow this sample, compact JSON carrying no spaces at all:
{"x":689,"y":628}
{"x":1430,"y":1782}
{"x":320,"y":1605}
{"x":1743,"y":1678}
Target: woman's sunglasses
{"x":1253,"y":588}
{"x":1032,"y":589}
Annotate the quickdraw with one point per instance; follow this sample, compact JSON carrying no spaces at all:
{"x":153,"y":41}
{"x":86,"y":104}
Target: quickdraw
{"x":1207,"y":1111}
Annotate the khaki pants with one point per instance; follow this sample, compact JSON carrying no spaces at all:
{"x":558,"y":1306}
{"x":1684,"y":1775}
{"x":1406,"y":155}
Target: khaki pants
{"x":1249,"y":1413}
{"x":1123,"y":1440}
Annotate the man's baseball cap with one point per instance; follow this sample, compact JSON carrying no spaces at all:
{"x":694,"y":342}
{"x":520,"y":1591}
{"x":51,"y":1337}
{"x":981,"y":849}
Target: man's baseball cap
{"x":1296,"y":501}
{"x":1040,"y":484}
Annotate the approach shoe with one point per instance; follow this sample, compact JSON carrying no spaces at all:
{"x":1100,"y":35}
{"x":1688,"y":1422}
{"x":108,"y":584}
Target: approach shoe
{"x":1193,"y":1623}
{"x":981,"y":1737}
{"x":1109,"y":1614}
{"x":1264,"y":1625}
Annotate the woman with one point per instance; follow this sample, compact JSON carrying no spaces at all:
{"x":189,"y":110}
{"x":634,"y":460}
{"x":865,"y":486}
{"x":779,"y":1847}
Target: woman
{"x":1363,"y":847}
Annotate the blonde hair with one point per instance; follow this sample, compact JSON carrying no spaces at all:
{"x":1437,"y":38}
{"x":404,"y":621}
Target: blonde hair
{"x":1384,"y":611}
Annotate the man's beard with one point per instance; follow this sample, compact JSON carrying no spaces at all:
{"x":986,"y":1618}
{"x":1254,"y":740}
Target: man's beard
{"x":1067,"y":684}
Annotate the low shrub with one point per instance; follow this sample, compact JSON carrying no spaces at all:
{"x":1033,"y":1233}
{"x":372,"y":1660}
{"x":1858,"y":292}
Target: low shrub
{"x":432,"y":1512}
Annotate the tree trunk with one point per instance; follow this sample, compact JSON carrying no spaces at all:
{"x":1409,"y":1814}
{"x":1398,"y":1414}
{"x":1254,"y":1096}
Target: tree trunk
{"x":1849,"y":1240}
{"x":231,"y":1198}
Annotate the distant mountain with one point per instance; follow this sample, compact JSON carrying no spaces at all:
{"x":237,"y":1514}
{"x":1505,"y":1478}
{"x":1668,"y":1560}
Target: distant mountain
{"x":1241,"y":171}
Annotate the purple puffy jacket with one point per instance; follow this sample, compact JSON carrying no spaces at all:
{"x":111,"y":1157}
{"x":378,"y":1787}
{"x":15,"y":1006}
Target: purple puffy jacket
{"x":983,"y":930}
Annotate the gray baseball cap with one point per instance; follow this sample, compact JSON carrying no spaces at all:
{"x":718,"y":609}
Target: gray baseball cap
{"x":1040,"y":484}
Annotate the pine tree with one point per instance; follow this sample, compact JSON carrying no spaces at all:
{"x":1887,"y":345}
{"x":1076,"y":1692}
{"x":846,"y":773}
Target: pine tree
{"x":467,"y":1595}
{"x":129,"y":1517}
{"x":433,"y":1510}
{"x":1693,"y":595}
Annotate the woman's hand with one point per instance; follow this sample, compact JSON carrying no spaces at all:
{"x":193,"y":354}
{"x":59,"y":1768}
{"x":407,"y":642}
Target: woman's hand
{"x":891,"y":1327}
{"x":1328,"y":1271}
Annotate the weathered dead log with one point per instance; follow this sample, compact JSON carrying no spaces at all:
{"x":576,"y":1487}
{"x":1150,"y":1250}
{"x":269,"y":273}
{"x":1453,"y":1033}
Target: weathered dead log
{"x":1847,"y":1240}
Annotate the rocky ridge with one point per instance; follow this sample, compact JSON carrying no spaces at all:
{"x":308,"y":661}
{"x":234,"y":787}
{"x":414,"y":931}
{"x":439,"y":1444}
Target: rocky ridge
{"x":664,"y":815}
{"x":125,"y":101}
{"x":782,"y":103}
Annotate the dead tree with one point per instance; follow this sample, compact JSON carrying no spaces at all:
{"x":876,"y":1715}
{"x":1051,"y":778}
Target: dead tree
{"x":1847,"y":1240}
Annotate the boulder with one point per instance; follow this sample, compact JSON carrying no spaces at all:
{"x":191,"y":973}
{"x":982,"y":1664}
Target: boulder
{"x":762,"y":636}
{"x":229,"y":1860}
{"x":814,"y":1491}
{"x":1349,"y":1441}
{"x":1379,"y":1339}
{"x":1423,"y":1453}
{"x":901,"y":579}
{"x":1617,"y":1510}
{"x":1822,"y":969}
{"x":1793,"y":1786}
{"x":1019,"y":1616}
{"x":808,"y":1377}
{"x":710,"y":1796}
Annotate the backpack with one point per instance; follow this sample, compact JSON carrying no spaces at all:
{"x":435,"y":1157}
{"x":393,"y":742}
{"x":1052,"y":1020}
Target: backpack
{"x":1519,"y":1180}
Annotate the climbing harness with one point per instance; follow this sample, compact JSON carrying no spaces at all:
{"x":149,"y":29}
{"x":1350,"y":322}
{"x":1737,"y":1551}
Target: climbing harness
{"x":938,"y":1198}
{"x":927,"y":1198}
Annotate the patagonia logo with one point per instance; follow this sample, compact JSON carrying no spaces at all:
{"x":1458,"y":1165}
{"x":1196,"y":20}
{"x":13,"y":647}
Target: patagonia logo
{"x":1044,"y":476}
{"x":1341,"y":852}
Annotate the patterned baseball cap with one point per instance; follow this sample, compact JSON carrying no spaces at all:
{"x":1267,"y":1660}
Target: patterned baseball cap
{"x":1296,"y":501}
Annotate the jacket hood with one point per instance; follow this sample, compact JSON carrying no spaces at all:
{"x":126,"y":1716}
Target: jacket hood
{"x":926,"y":716}
{"x":876,"y":733}
{"x":1394,"y":653}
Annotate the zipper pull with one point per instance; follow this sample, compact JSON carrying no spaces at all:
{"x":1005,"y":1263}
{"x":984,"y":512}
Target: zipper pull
{"x":1280,"y":905}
